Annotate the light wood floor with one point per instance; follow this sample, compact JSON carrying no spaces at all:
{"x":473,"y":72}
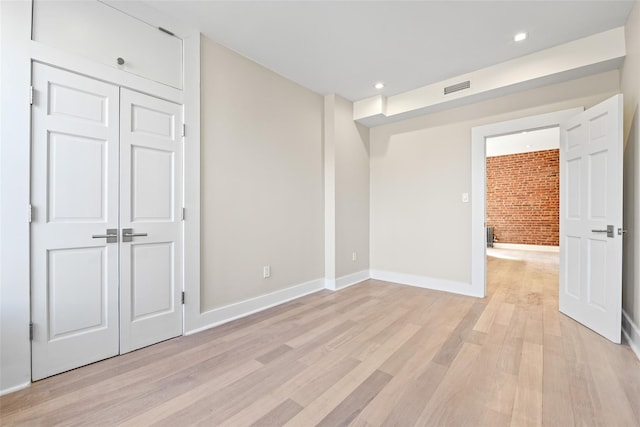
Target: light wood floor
{"x":373,"y":354}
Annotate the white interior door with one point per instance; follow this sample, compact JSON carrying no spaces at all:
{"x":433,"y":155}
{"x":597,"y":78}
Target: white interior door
{"x":75,"y":198}
{"x":591,"y":152}
{"x":151,"y":207}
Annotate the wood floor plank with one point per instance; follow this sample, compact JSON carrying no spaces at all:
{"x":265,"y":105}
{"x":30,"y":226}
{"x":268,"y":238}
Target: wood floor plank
{"x":358,"y":399}
{"x":527,"y":408}
{"x":418,"y":392}
{"x":551,"y":319}
{"x":510,"y":354}
{"x":271,"y":355}
{"x":587,"y":408}
{"x":440,"y":410}
{"x":556,"y":395}
{"x":311,"y":388}
{"x":495,"y":419}
{"x":499,"y":387}
{"x":487,"y":317}
{"x":458,"y":336}
{"x":279,"y":415}
{"x":504,"y":313}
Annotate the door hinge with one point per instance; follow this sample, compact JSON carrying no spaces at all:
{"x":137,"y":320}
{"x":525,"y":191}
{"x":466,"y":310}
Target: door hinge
{"x":183,"y":213}
{"x":184,"y":130}
{"x":183,"y":297}
{"x":30,"y":213}
{"x":30,"y":331}
{"x":30,"y":95}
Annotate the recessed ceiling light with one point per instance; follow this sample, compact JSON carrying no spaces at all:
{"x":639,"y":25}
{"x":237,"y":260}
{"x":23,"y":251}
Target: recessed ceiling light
{"x":519,"y":37}
{"x":528,"y":146}
{"x":379,"y":85}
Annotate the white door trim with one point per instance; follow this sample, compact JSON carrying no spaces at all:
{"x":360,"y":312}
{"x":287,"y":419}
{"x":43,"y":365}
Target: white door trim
{"x":191,"y":182}
{"x":478,"y":182}
{"x":15,"y":77}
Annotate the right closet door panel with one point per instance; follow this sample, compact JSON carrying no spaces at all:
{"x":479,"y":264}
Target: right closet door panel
{"x":150,"y":218}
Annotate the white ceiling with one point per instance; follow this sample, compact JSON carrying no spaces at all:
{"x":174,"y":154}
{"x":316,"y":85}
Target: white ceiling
{"x":524,"y":142}
{"x":344,"y":47}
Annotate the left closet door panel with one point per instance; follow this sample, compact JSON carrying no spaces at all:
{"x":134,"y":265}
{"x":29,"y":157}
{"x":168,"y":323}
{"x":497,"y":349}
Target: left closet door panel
{"x":75,"y":137}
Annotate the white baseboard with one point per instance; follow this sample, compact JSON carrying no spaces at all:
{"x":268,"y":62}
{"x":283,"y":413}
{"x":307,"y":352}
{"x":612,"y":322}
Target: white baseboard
{"x":218,"y":316}
{"x":540,"y":248}
{"x":427,"y":283}
{"x":631,"y":332}
{"x":330,"y":284}
{"x":12,"y":389}
{"x":351,"y":279}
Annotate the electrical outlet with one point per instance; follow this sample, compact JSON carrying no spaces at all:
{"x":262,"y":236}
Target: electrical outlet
{"x":266,"y":271}
{"x":354,"y":256}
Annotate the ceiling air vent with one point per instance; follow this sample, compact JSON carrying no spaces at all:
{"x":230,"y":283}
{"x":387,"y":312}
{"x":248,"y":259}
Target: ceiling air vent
{"x":457,"y":87}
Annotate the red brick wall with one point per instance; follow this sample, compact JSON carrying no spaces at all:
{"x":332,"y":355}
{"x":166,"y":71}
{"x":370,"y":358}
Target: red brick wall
{"x":523,"y":197}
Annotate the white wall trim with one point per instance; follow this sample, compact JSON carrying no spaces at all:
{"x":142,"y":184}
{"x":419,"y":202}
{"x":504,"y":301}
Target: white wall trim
{"x":426,"y":282}
{"x":218,"y":316}
{"x":330,"y":284}
{"x":520,"y":247}
{"x":352,"y":279}
{"x":15,"y":78}
{"x":479,"y":135}
{"x":16,"y":388}
{"x":329,"y":152}
{"x":191,"y":254}
{"x":631,"y":332}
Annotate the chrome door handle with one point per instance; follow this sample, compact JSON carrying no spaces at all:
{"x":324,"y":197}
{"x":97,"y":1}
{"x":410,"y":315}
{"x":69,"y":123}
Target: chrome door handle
{"x":128,"y":234}
{"x":609,"y":231}
{"x":111,"y":236}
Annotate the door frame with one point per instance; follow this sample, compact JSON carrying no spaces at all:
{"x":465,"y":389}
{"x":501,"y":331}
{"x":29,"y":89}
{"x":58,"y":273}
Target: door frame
{"x":479,"y":137}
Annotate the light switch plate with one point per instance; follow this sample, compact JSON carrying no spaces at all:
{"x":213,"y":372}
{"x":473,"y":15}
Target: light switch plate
{"x":465,"y":197}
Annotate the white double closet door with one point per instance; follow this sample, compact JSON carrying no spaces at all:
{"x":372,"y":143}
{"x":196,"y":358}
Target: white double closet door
{"x":106,"y":235}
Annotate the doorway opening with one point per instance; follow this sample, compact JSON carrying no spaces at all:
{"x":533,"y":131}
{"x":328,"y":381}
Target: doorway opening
{"x":480,"y":136}
{"x":522,"y":206}
{"x":523,"y":190}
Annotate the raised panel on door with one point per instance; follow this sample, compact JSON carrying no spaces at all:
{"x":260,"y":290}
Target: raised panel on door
{"x":151,"y":203}
{"x":591,"y":195}
{"x":75,"y":196}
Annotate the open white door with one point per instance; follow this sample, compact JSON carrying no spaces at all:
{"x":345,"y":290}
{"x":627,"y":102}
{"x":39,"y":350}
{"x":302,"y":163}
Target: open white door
{"x":591,"y":153}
